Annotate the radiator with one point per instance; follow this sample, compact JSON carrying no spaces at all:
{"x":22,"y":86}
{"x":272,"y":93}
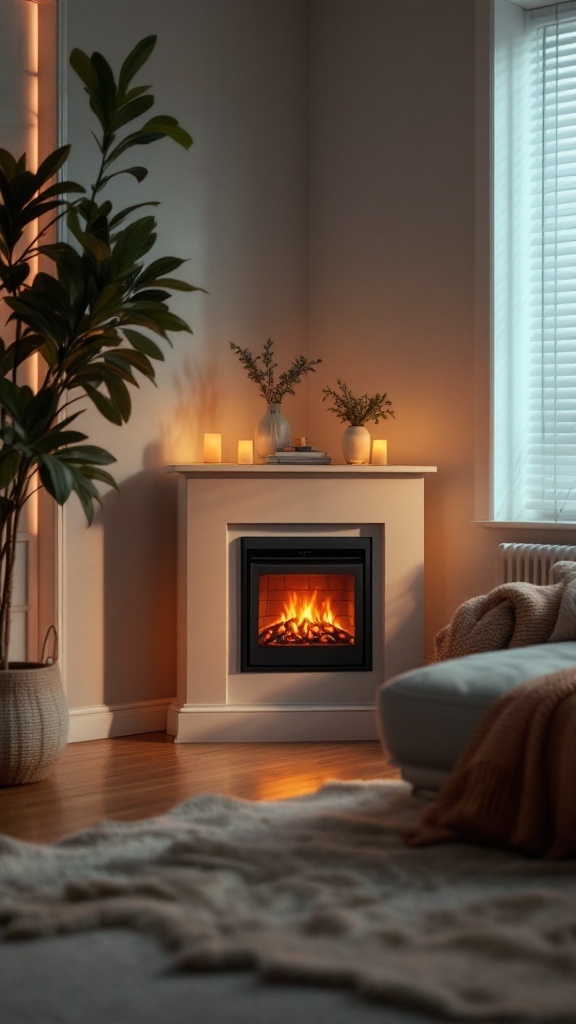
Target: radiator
{"x":531,"y":563}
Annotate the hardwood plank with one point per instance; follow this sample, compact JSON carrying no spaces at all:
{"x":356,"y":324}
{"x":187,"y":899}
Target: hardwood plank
{"x":132,"y":777}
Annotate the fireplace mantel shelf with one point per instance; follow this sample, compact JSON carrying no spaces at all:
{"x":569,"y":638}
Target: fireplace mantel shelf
{"x":232,"y":469}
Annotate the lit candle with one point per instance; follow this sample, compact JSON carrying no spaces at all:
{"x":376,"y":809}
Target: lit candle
{"x":212,"y":447}
{"x":379,"y":453}
{"x":245,"y":453}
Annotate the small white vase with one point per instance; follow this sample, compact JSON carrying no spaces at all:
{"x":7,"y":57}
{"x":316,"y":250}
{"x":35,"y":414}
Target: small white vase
{"x":356,"y":446}
{"x":272,"y":432}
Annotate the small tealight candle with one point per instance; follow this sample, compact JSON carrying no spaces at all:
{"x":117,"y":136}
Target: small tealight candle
{"x":379,"y":453}
{"x":212,"y":447}
{"x":245,"y":453}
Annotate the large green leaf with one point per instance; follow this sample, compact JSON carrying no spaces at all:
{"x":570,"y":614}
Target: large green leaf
{"x":87,"y":493}
{"x":87,"y":455}
{"x":6,"y":509}
{"x":56,"y":477}
{"x":105,"y":81}
{"x":134,"y":172}
{"x":59,"y":188}
{"x":9,"y":464}
{"x":152,"y":295}
{"x":159,"y":127}
{"x":8,"y":165}
{"x":84,"y":68}
{"x":54,"y":440}
{"x":130,"y":111}
{"x":13,"y":277}
{"x":13,"y":398}
{"x":134,"y":61}
{"x":76,"y":472}
{"x":33,"y":211}
{"x":159,"y":268}
{"x":98,"y":248}
{"x":169,"y":127}
{"x":45,"y":310}
{"x":52,"y":164}
{"x":119,"y":395}
{"x":143,"y":344}
{"x":132,"y":243}
{"x":124,"y":359}
{"x":95,"y":473}
{"x":107,"y":302}
{"x":103,"y":94}
{"x":123,"y":215}
{"x":106,"y":406}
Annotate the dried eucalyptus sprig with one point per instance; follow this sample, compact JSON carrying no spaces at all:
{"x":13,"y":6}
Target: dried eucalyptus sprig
{"x":357,"y":411}
{"x":261,"y":368}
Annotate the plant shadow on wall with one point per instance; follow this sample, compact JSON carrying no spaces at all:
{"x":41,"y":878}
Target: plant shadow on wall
{"x":85,"y":328}
{"x":197,"y":403}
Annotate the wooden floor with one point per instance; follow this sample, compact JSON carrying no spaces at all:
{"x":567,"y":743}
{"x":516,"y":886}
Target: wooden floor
{"x":138,"y":776}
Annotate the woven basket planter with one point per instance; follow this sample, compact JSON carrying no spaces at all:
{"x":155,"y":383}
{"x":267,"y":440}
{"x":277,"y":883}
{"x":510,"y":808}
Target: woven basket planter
{"x":33,"y":722}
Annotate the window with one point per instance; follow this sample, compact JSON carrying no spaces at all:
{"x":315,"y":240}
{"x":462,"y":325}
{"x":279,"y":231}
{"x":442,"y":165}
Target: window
{"x":534,"y":261}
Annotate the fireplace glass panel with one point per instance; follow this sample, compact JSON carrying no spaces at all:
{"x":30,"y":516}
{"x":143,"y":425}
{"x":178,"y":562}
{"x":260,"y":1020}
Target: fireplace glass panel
{"x":306,"y":603}
{"x":306,"y":608}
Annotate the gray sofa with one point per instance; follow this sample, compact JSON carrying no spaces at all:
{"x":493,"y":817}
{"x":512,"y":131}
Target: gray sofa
{"x":425,"y":716}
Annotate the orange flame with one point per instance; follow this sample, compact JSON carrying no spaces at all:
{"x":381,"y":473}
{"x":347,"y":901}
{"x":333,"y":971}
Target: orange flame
{"x":305,"y":608}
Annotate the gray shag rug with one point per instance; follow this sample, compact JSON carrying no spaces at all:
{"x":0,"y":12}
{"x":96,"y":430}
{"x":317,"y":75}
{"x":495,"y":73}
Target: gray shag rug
{"x":319,"y":889}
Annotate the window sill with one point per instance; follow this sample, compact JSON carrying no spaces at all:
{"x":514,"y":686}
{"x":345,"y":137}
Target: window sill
{"x":501,"y":525}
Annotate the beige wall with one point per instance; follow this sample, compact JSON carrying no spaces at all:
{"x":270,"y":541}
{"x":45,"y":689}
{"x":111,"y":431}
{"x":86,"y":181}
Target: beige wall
{"x":234,"y":73}
{"x":328,"y":201}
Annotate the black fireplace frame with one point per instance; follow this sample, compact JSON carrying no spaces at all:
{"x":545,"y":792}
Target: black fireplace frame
{"x":260,"y":555}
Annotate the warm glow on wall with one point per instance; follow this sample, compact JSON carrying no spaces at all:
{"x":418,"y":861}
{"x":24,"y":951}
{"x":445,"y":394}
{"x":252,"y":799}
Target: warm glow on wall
{"x":32,"y":62}
{"x":29,"y":371}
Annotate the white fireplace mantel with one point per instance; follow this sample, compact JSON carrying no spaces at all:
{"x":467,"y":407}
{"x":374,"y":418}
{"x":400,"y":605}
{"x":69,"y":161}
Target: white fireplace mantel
{"x":219,"y":504}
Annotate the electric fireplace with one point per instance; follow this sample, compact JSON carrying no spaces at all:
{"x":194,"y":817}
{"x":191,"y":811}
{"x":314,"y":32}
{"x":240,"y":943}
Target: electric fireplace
{"x":257,"y":665}
{"x":306,"y":604}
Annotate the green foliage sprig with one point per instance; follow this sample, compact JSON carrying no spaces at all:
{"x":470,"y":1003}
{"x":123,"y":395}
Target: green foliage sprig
{"x":261,"y":368}
{"x":357,"y":411}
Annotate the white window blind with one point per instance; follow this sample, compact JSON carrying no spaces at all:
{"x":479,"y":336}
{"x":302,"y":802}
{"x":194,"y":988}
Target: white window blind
{"x":534,"y":419}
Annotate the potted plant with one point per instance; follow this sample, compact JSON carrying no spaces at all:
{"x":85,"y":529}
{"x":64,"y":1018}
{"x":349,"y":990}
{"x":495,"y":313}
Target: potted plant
{"x":357,"y":412}
{"x":91,"y":317}
{"x":273,"y":431}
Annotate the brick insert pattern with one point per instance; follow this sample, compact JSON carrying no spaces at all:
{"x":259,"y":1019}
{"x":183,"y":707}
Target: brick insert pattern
{"x":334,"y":591}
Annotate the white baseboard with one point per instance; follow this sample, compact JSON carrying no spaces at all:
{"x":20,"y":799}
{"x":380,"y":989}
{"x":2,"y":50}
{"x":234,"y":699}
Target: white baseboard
{"x":270,"y":724}
{"x":104,"y":720}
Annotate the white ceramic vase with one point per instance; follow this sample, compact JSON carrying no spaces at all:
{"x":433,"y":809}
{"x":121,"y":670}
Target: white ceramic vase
{"x":356,"y":446}
{"x":272,"y":432}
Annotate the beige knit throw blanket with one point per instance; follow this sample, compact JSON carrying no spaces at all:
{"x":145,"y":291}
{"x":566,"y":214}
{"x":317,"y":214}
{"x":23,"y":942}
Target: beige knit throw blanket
{"x":514,"y":785}
{"x":513,"y":615}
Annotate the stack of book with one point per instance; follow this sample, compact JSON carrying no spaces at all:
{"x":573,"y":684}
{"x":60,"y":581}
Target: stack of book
{"x":298,"y":457}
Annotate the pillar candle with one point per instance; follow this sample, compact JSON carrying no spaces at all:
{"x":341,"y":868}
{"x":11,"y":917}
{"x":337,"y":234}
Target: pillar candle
{"x":379,"y":453}
{"x":212,"y":447}
{"x":245,"y":453}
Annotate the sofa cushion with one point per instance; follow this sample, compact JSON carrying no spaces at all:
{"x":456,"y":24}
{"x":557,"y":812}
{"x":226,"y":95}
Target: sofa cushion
{"x":426,"y":715}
